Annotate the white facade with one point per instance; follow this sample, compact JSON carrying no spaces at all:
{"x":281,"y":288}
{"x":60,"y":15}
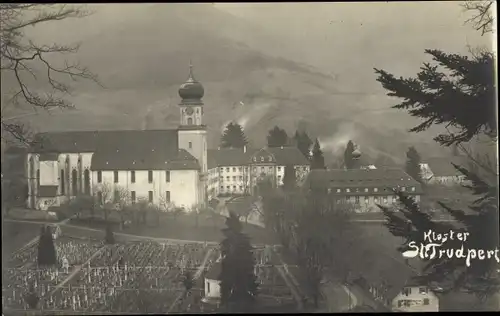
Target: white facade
{"x":167,"y":188}
{"x":415,"y":299}
{"x":212,"y":289}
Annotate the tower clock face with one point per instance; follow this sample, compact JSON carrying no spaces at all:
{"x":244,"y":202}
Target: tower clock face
{"x":189,"y":111}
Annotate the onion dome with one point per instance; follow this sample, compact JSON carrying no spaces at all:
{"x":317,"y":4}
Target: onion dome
{"x":356,"y":154}
{"x":191,"y":90}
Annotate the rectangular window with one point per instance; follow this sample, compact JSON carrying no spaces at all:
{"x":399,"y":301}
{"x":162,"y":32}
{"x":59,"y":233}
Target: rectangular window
{"x":167,"y":196}
{"x":222,"y":187}
{"x":413,"y":189}
{"x":221,"y":178}
{"x":234,"y":169}
{"x":115,"y":176}
{"x":241,"y":188}
{"x":403,"y":189}
{"x":279,"y":168}
{"x":426,"y":301}
{"x":234,"y":187}
{"x":150,"y":176}
{"x":375,"y":189}
{"x":270,"y":168}
{"x":150,"y":196}
{"x":132,"y":196}
{"x":228,"y":188}
{"x":99,"y":176}
{"x":221,"y":169}
{"x":132,"y":176}
{"x":406,"y":291}
{"x":234,"y":178}
{"x":228,"y":178}
{"x":347,"y":190}
{"x":338,"y":190}
{"x":167,"y":176}
{"x":190,"y":145}
{"x":240,"y":169}
{"x":208,"y":287}
{"x":423,"y":290}
{"x":366,"y":189}
{"x":227,"y":169}
{"x":241,"y":178}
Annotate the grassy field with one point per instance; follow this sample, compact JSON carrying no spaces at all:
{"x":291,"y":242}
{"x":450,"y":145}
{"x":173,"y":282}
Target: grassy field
{"x":185,"y":227}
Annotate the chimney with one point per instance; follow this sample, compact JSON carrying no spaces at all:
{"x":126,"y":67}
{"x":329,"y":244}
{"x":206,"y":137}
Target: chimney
{"x":245,"y":148}
{"x":281,"y":147}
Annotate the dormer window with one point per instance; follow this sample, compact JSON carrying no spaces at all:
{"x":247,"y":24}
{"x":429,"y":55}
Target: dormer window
{"x":254,"y":159}
{"x":270,"y":158}
{"x":347,"y":190}
{"x":261,"y":159}
{"x":413,"y":189}
{"x":403,"y":189}
{"x":375,"y":189}
{"x":366,"y":189}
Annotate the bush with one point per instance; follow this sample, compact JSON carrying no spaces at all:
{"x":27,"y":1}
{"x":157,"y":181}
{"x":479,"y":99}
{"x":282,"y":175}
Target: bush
{"x":61,"y":212}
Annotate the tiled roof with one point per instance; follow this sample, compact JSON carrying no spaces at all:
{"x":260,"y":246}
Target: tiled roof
{"x":288,"y":156}
{"x":442,"y":167}
{"x":91,"y":141}
{"x":237,"y":157}
{"x":47,"y":191}
{"x":361,"y":178}
{"x":227,"y":157}
{"x":144,"y":160}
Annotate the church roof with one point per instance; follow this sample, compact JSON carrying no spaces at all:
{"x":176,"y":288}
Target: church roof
{"x":92,"y":141}
{"x":158,"y":159}
{"x":361,"y":178}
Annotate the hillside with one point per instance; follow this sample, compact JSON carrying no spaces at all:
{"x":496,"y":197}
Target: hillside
{"x":142,"y":61}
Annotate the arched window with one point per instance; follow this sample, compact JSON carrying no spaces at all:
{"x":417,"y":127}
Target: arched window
{"x":67,"y":174}
{"x":63,"y":182}
{"x":190,"y":121}
{"x":74,"y":182}
{"x":86,"y":180}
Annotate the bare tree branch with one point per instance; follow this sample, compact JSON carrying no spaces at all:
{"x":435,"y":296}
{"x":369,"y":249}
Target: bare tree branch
{"x":17,"y":53}
{"x":483,"y":19}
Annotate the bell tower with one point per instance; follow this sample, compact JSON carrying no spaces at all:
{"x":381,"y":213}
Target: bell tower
{"x":192,"y":133}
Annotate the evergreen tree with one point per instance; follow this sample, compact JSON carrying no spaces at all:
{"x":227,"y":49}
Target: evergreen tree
{"x":47,"y":255}
{"x":188,"y":281}
{"x":109,"y":238}
{"x":289,"y":178}
{"x":238,"y":284}
{"x":348,"y":161}
{"x":277,"y":137}
{"x":32,"y":298}
{"x":233,"y":136}
{"x":317,"y":159}
{"x":413,"y":164}
{"x":303,"y":143}
{"x":465,"y":100}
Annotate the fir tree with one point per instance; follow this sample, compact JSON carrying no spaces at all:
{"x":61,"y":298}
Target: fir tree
{"x":466,"y":101}
{"x":109,"y":238}
{"x":188,"y":282}
{"x":47,"y":255}
{"x":317,"y":159}
{"x":348,"y":160}
{"x":303,"y":143}
{"x":233,"y":136}
{"x":289,"y":178}
{"x":413,"y":164}
{"x":277,"y":137}
{"x":32,"y":298}
{"x":238,"y":284}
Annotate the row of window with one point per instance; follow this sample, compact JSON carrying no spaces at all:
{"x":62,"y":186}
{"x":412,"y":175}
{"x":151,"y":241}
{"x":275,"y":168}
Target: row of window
{"x":228,"y":187}
{"x":132,"y":176}
{"x":240,"y":169}
{"x":367,"y":190}
{"x":133,"y":197}
{"x":410,"y":303}
{"x":74,"y":183}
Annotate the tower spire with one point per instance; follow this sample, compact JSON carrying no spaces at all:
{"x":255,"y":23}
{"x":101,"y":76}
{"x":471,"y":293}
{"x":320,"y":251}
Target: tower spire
{"x":191,"y":76}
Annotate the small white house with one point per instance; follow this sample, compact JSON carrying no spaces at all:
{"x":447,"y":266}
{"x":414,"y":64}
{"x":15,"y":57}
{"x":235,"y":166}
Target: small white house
{"x":415,"y":298}
{"x":212,"y":284}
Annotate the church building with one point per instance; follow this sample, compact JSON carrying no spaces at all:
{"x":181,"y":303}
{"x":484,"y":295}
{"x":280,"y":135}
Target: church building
{"x":164,"y":167}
